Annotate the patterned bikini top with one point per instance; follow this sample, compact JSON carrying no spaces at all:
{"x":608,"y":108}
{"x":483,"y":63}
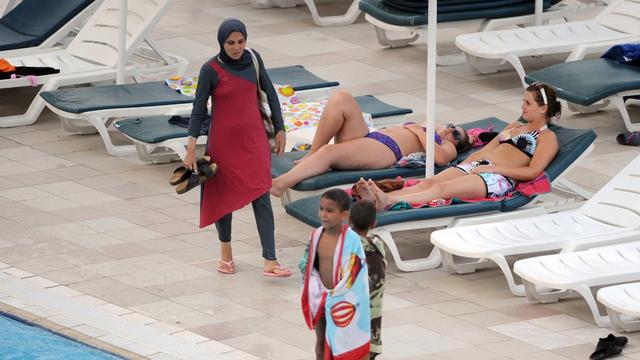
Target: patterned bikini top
{"x":525,"y":142}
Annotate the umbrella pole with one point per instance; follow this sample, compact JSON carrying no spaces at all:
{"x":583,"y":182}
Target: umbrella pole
{"x":122,"y":42}
{"x":432,"y":32}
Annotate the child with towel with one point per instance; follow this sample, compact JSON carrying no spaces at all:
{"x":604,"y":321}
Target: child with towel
{"x":335,"y":297}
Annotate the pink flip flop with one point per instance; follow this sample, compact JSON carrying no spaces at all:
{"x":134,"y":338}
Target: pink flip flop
{"x":277,"y":271}
{"x":226,"y":267}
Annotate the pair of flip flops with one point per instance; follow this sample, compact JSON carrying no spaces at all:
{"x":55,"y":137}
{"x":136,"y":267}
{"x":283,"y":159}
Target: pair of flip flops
{"x":186,"y":179}
{"x":629,"y":138}
{"x":608,"y":347}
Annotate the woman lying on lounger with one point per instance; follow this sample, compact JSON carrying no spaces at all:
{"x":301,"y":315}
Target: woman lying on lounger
{"x":356,"y":148}
{"x":519,"y":153}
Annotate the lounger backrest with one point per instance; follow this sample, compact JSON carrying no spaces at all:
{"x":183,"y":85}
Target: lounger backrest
{"x":42,"y":18}
{"x":621,"y":15}
{"x":98,"y":39}
{"x":618,"y":202}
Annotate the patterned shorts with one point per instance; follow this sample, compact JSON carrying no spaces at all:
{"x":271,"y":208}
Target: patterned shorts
{"x":496,"y":185}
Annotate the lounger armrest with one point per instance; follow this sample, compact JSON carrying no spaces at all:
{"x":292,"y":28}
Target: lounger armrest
{"x":599,"y":47}
{"x":600,"y":241}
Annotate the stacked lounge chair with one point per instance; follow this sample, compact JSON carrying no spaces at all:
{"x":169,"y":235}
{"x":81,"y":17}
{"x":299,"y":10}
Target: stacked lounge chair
{"x":35,"y":24}
{"x":411,"y":16}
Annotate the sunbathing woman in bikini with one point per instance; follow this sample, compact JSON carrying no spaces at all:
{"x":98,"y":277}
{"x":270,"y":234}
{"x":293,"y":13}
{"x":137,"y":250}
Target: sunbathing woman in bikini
{"x":356,"y":148}
{"x":519,"y":153}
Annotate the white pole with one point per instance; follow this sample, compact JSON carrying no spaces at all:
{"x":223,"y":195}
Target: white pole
{"x":539,"y":9}
{"x":122,"y":42}
{"x":432,"y":28}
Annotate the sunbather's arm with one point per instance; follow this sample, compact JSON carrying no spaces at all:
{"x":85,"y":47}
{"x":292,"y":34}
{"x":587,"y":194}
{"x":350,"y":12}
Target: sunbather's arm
{"x":481,"y":154}
{"x":443,"y":154}
{"x":545,"y":152}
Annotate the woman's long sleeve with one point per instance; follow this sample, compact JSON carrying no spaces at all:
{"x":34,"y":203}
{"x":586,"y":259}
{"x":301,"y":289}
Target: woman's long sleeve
{"x":207,"y":80}
{"x":272,"y":96}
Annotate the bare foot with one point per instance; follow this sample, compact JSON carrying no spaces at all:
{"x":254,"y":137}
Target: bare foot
{"x":364,"y":191}
{"x":276,"y":190}
{"x":380,"y":196}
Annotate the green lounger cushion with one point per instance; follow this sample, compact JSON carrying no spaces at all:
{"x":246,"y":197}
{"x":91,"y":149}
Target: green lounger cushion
{"x":154,"y":129}
{"x":157,"y":93}
{"x":585,"y":82}
{"x":573,"y":143}
{"x":84,"y":99}
{"x":32,"y":21}
{"x":298,"y":77}
{"x":392,"y":15}
{"x":284,"y":163}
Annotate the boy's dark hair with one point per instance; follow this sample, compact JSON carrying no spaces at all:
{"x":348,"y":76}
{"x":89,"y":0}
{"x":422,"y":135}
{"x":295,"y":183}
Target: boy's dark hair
{"x":339,"y":197}
{"x":362,"y":215}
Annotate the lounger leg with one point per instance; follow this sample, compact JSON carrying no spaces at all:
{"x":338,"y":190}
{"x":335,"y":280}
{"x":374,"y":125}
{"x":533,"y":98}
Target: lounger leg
{"x":617,"y":323}
{"x":517,"y":65}
{"x":535,"y":295}
{"x":32,"y":113}
{"x":381,"y":33}
{"x":449,"y":264}
{"x":348,"y":18}
{"x":501,"y":261}
{"x":123,"y":150}
{"x":430,"y":262}
{"x":585,"y":291}
{"x":618,"y":101}
{"x":588,"y":109}
{"x":482,"y":66}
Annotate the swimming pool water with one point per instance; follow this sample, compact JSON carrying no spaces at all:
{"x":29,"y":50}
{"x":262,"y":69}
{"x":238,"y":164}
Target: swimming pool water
{"x":21,"y":341}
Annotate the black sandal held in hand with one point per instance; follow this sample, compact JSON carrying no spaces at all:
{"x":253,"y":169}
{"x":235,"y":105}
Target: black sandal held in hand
{"x":205,"y":171}
{"x":179,"y":175}
{"x":608,"y":347}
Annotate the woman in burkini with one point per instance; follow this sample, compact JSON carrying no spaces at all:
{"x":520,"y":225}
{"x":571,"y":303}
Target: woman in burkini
{"x":519,"y":153}
{"x":356,"y":148}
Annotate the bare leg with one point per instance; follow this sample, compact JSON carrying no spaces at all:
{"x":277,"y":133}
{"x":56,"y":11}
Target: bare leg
{"x":362,"y":153}
{"x":342,"y":119}
{"x":469,"y":186}
{"x":445,"y":175}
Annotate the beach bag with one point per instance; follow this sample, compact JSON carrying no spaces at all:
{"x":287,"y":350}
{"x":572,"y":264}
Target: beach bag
{"x":263,"y":104}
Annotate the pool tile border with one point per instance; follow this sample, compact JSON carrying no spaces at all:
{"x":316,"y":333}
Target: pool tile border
{"x":100,"y":324}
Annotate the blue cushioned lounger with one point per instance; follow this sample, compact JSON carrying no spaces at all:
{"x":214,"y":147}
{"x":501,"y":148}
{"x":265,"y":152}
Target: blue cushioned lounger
{"x":284,"y":163}
{"x":573,"y":143}
{"x":32,"y":21}
{"x":155,"y":129}
{"x":157,"y":93}
{"x":586,"y":82}
{"x":397,"y":14}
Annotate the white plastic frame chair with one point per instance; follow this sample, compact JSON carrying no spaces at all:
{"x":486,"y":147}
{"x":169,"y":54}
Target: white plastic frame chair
{"x":92,"y":56}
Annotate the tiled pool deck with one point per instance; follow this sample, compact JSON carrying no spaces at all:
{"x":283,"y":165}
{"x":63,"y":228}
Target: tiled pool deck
{"x":102,"y":248}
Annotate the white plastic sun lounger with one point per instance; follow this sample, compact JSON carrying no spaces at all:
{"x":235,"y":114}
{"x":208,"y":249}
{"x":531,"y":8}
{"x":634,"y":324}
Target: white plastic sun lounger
{"x":623,"y":305}
{"x":548,"y":278}
{"x":611,"y":215}
{"x":48,"y":23}
{"x":619,"y":22}
{"x":92,"y":54}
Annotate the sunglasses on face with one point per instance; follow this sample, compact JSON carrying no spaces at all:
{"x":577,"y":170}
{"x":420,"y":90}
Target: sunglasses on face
{"x":457,"y":136}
